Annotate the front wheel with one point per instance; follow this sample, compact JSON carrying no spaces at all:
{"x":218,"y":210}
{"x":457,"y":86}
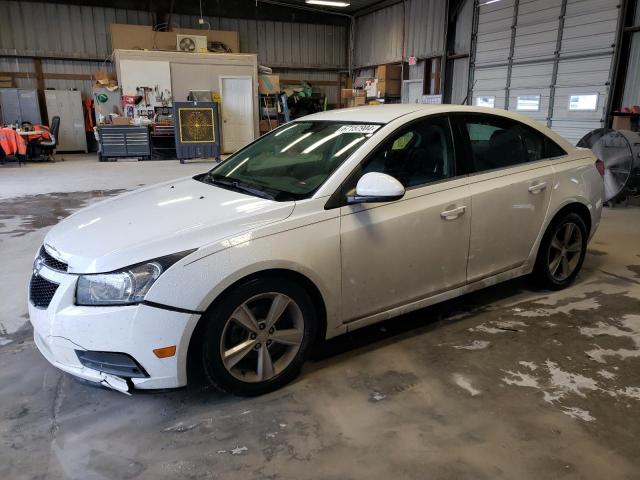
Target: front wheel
{"x":257,"y":336}
{"x":562,"y":252}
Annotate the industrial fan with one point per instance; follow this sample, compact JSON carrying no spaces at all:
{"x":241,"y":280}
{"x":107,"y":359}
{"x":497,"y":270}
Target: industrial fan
{"x":197,"y":129}
{"x":619,"y":150}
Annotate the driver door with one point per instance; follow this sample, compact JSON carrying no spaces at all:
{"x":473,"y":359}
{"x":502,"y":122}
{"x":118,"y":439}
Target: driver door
{"x":399,"y":252}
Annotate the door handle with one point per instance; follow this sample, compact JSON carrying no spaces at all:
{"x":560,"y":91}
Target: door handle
{"x":453,"y":214}
{"x":537,"y":188}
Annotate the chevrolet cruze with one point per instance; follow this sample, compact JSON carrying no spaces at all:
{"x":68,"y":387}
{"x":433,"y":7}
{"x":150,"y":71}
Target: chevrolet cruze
{"x":329,"y":223}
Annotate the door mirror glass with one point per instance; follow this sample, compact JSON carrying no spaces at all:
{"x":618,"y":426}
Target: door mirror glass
{"x":377,"y":187}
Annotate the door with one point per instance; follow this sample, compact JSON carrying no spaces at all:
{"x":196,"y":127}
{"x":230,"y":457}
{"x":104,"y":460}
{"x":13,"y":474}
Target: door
{"x":237,"y":112}
{"x":398,"y":252}
{"x":510,"y":188}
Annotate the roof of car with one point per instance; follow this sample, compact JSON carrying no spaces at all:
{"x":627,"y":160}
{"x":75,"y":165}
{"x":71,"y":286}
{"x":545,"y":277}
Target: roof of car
{"x":388,"y":113}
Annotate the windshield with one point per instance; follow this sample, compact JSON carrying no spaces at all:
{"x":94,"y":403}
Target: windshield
{"x":293,"y":161}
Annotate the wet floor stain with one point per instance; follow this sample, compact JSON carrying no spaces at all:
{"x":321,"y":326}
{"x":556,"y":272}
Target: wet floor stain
{"x":22,"y":215}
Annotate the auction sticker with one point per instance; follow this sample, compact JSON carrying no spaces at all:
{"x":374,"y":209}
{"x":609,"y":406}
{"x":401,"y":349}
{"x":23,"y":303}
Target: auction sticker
{"x":358,"y":129}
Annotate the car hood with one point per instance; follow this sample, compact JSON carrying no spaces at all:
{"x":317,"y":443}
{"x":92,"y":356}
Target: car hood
{"x":156,"y":221}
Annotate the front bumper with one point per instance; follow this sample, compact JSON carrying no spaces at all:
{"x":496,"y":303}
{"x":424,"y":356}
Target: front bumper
{"x":136,"y":330}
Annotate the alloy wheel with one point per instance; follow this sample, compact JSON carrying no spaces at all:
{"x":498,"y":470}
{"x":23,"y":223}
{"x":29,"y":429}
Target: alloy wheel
{"x":565,"y":251}
{"x":261,"y":337}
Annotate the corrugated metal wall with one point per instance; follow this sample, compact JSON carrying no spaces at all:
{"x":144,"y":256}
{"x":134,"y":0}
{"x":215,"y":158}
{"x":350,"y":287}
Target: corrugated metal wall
{"x":72,"y":31}
{"x":462,"y":45}
{"x":531,"y":32}
{"x":632,"y":84}
{"x":378,"y":35}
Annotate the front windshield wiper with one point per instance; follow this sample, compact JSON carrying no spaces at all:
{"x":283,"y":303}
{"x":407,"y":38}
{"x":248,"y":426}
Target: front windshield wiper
{"x":239,"y":186}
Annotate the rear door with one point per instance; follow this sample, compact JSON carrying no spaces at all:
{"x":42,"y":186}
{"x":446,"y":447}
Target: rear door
{"x":398,"y":252}
{"x":510,"y":184}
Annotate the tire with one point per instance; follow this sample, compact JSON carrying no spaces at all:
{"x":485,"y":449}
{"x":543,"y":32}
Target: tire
{"x":251,"y":342}
{"x":561,"y":252}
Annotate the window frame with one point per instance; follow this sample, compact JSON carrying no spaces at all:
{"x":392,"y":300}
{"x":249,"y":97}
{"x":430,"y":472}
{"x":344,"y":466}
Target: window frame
{"x":537,"y":95}
{"x":592,"y":94}
{"x":339,"y":197}
{"x":459,"y":119}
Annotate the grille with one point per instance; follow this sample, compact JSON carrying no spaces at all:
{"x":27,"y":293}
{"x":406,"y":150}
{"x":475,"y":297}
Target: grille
{"x":41,"y":291}
{"x":51,"y":262}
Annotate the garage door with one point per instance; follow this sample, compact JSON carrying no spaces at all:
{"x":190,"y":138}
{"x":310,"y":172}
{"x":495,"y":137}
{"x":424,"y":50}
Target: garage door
{"x":548,"y":59}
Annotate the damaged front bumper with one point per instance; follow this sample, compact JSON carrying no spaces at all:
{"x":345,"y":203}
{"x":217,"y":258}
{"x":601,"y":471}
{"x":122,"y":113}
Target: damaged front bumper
{"x":64,"y":329}
{"x":65,"y":350}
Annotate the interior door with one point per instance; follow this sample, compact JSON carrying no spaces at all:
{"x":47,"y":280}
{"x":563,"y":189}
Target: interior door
{"x":398,"y":252}
{"x":510,"y":191}
{"x":237,"y":112}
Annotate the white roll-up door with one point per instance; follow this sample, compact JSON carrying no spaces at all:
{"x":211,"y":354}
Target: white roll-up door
{"x":549,"y":59}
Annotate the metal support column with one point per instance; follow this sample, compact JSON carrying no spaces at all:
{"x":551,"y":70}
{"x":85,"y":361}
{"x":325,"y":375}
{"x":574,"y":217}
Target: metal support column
{"x":472,"y":53}
{"x":514,"y":25}
{"x":556,"y":61}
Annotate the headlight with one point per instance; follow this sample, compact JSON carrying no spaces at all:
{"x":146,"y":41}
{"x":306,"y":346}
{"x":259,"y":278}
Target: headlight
{"x":124,"y":287}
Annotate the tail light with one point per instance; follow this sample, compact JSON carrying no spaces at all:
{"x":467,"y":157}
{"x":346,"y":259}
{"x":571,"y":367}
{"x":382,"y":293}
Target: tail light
{"x":600,"y":167}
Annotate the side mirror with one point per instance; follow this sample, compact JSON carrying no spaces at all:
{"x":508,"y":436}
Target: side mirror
{"x":376,"y":187}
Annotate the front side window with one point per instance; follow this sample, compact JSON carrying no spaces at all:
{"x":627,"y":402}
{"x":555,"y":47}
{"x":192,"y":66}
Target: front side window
{"x":293,"y":161}
{"x":416,"y":155}
{"x":499,"y":142}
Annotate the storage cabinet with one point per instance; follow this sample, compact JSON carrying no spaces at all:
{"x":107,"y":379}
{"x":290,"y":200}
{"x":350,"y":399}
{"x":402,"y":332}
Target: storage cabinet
{"x":19,"y":105}
{"x":122,"y":141}
{"x":67,"y":104}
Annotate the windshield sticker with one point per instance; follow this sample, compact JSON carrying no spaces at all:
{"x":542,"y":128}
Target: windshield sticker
{"x":358,"y":129}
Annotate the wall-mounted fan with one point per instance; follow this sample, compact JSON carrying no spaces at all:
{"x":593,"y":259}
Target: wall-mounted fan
{"x":619,"y":150}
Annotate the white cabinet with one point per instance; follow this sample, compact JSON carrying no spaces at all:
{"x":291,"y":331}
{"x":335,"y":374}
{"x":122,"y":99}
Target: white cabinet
{"x":67,"y":104}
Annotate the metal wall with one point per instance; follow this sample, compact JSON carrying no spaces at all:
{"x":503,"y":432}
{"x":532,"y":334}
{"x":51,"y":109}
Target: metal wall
{"x":72,"y":31}
{"x":462,"y":45}
{"x":631,"y":94}
{"x":379,"y":35}
{"x":551,"y":48}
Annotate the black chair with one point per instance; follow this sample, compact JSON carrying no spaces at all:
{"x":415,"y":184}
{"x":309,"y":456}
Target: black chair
{"x":47,"y":147}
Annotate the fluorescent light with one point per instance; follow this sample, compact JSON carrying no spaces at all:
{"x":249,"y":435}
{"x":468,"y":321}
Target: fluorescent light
{"x":328,"y":3}
{"x":488,"y":2}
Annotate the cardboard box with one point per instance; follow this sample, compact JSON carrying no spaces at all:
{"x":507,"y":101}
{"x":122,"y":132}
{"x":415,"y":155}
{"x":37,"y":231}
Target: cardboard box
{"x":621,"y":123}
{"x":352,"y":93}
{"x":356,"y":102}
{"x":268,"y":125}
{"x":142,"y":37}
{"x":347,"y":93}
{"x":389,"y":72}
{"x":120,"y":121}
{"x":389,"y":87}
{"x":268,"y":84}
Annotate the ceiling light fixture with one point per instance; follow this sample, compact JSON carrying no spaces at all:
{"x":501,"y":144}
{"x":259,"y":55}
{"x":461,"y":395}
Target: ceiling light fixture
{"x":327,"y":3}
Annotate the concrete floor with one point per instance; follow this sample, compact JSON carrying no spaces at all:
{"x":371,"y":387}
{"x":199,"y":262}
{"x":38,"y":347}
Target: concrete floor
{"x":509,"y":382}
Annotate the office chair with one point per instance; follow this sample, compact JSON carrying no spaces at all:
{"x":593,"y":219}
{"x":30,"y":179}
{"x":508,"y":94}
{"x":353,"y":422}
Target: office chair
{"x":47,"y":147}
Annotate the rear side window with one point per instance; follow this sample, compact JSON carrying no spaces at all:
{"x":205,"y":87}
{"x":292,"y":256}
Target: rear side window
{"x":499,"y":142}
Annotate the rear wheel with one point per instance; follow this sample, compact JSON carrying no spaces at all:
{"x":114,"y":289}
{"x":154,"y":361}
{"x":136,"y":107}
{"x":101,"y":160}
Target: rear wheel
{"x":257,"y":336}
{"x":562,"y":252}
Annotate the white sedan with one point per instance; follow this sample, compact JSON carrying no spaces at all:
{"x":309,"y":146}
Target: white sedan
{"x":330,"y":223}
